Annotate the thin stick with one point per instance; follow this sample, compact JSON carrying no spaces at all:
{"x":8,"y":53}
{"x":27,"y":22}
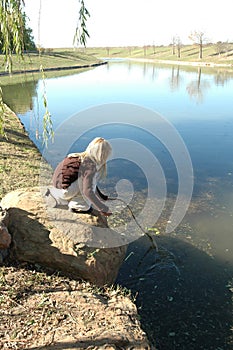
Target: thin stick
{"x":154,"y":244}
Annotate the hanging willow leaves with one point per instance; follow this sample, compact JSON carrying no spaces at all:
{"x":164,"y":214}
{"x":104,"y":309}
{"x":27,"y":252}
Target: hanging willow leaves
{"x":11,"y":38}
{"x":81,"y":33}
{"x":48,"y":132}
{"x":11,"y":30}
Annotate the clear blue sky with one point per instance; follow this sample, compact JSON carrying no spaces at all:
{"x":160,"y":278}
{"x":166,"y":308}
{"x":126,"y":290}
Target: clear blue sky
{"x":130,"y":22}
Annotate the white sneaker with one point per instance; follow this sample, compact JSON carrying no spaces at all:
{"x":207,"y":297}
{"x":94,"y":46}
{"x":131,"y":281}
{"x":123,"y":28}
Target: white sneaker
{"x":77,"y":206}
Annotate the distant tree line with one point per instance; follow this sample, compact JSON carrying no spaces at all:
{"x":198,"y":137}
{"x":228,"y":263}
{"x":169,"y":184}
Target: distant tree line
{"x":198,"y":38}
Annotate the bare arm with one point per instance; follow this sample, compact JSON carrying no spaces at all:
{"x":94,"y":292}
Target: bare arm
{"x":88,"y":174}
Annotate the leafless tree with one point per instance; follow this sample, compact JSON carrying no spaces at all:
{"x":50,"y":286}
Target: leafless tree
{"x":144,"y":49}
{"x":178,"y":46}
{"x":222,"y":47}
{"x":198,"y":37}
{"x":153,"y":48}
{"x":173,"y":44}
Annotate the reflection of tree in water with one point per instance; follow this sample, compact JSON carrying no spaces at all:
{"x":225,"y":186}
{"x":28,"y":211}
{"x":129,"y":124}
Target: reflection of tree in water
{"x":175,"y":78}
{"x":19,"y":96}
{"x":149,"y":70}
{"x":129,"y":66}
{"x":221,"y":78}
{"x":197,"y":87}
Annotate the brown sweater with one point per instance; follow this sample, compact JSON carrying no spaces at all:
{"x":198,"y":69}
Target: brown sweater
{"x":66,"y":172}
{"x":70,"y":169}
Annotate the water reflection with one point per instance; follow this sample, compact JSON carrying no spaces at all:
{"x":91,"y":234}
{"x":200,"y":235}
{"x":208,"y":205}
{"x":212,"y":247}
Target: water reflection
{"x":221,"y":78}
{"x":197,"y":87}
{"x":20,"y":96}
{"x":175,"y":79}
{"x":195,"y":80}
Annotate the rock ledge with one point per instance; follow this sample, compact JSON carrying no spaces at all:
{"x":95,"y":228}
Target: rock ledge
{"x":61,"y":240}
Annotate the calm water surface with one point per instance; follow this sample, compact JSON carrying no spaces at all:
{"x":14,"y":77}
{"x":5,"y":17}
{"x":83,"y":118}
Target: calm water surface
{"x":184,"y":293}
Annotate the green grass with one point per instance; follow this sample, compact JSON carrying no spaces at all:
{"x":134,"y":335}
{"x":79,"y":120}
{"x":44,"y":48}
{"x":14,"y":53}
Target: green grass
{"x":50,"y":59}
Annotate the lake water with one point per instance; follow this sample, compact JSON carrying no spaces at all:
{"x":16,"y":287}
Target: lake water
{"x":157,"y":116}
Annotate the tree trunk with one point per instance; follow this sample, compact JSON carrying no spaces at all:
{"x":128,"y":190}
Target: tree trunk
{"x":178,"y":51}
{"x":200,"y":50}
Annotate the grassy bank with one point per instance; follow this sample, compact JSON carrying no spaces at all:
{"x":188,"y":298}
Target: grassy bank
{"x":50,"y":59}
{"x":189,"y":53}
{"x":20,"y":159}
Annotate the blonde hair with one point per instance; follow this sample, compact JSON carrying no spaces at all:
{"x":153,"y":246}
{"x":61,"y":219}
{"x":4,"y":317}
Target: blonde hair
{"x":99,"y":151}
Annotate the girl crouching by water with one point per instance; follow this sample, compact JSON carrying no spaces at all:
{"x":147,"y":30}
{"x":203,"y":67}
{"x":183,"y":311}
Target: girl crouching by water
{"x":75,"y":179}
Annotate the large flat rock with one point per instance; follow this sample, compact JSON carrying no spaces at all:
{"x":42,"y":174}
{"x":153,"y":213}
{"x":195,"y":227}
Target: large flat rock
{"x":80,"y":246}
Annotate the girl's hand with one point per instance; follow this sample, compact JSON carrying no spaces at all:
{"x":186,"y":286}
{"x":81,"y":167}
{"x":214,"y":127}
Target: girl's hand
{"x":105,"y":213}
